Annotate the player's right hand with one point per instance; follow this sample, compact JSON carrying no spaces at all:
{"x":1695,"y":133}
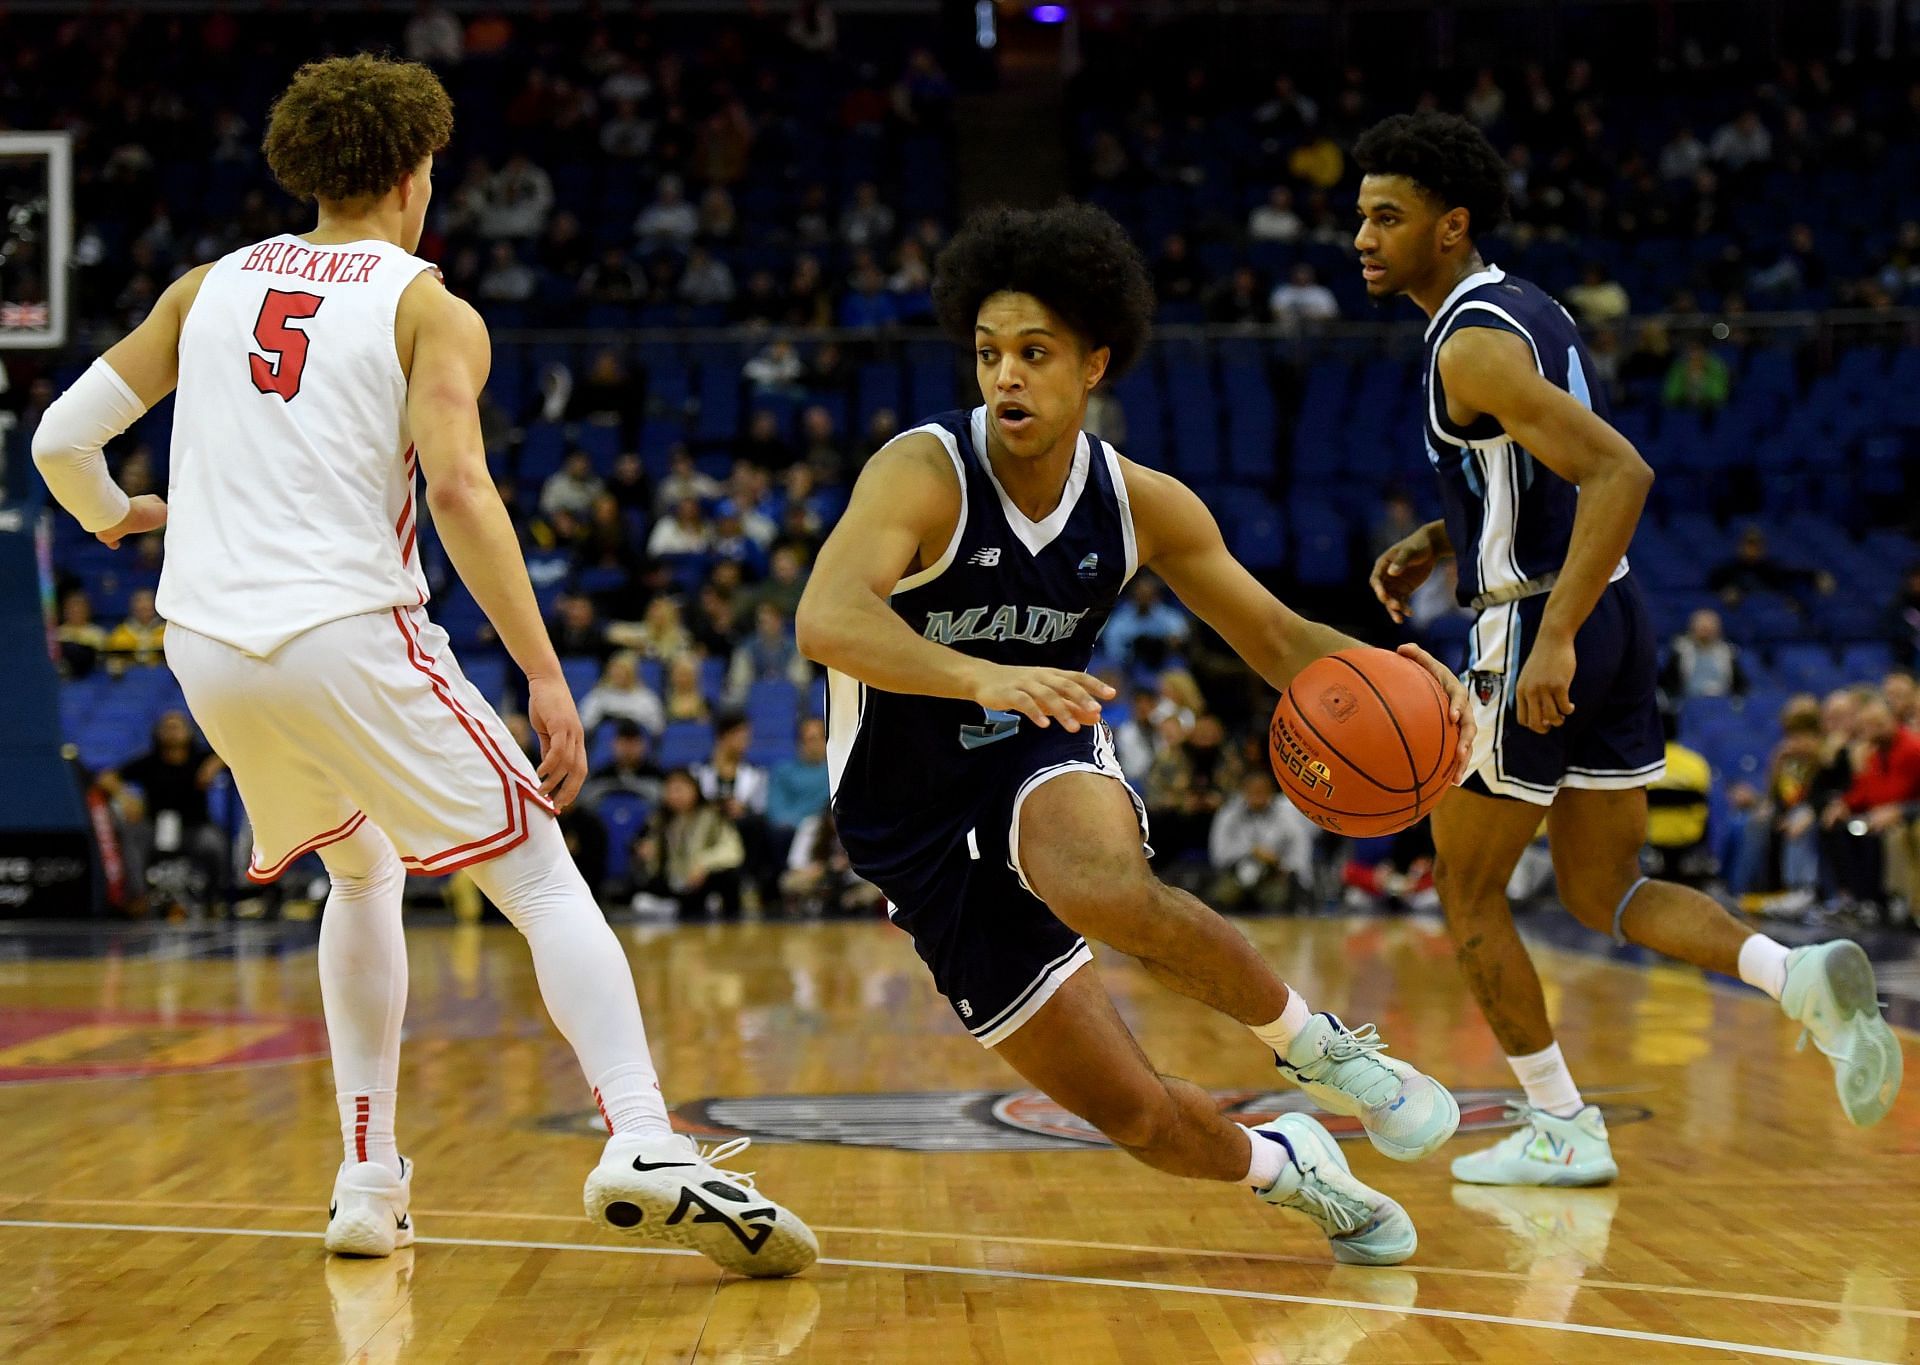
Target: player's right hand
{"x":563,"y":741}
{"x":1401,"y":570}
{"x":1043,"y":695}
{"x":148,"y":512}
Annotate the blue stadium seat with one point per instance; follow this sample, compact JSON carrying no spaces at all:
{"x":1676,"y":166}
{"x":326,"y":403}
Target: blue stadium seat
{"x":685,"y":743}
{"x":581,"y":673}
{"x":625,"y":817}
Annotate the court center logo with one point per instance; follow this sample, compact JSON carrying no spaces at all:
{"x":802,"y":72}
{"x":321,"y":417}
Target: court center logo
{"x":78,"y":1044}
{"x":1006,"y":1121}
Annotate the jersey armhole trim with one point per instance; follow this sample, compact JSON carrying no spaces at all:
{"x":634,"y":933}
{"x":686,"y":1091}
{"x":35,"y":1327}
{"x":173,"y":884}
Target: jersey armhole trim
{"x":1437,"y":418}
{"x":940,"y":565}
{"x":1125,"y":506}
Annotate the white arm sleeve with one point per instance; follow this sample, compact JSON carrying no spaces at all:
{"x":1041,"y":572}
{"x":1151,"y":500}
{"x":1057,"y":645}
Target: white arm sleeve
{"x":67,"y":446}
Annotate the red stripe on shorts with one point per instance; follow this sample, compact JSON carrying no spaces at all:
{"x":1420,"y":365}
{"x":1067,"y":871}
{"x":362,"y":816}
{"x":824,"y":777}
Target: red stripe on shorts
{"x":318,"y":841}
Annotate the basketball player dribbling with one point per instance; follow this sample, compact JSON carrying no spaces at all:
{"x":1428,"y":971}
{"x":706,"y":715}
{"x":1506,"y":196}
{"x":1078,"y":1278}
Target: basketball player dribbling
{"x":956,"y":605}
{"x":1564,"y":659}
{"x":315,"y":373}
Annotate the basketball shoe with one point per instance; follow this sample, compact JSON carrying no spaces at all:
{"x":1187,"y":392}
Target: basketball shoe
{"x":1830,"y":991}
{"x":368,"y":1215}
{"x":1363,"y":1226}
{"x":1406,"y":1114}
{"x":1544,"y":1150}
{"x":667,"y":1190}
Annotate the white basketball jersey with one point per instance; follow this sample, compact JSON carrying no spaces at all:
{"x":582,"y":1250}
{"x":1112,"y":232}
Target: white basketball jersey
{"x":291,"y":497}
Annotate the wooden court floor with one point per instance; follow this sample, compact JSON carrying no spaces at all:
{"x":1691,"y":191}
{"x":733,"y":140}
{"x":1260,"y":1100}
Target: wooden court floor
{"x":168,"y":1138}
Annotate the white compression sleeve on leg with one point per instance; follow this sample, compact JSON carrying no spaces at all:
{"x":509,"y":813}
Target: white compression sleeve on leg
{"x":363,"y":988}
{"x":67,"y":445}
{"x":583,"y":974}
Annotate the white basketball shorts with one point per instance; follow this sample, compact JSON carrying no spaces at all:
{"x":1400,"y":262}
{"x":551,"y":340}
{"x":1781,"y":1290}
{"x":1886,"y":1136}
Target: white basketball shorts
{"x":364,"y":718}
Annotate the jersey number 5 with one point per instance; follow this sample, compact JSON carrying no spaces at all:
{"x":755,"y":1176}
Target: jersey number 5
{"x":287,"y":345}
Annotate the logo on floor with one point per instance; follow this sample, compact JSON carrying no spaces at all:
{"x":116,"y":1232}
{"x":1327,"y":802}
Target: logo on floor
{"x":83,"y":1044}
{"x":1004,"y":1121}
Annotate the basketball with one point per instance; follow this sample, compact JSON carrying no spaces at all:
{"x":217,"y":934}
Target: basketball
{"x":1362,"y":742}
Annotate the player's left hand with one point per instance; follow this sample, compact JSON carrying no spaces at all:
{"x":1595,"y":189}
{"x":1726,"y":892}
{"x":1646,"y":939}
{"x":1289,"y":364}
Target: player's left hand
{"x":563,"y":742}
{"x":148,"y":512}
{"x":1543,"y":699}
{"x":1462,"y":707}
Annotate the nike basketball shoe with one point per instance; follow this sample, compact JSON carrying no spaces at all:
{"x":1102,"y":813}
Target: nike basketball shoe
{"x":666,"y":1190}
{"x":368,"y":1215}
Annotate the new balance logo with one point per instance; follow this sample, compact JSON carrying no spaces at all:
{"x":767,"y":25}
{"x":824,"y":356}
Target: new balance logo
{"x":986,"y":559}
{"x":752,"y":1238}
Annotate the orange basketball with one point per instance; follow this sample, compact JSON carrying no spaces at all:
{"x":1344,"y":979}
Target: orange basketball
{"x":1363,"y":742}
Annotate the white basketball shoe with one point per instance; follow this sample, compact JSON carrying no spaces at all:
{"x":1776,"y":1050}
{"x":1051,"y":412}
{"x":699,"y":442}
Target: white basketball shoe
{"x":666,"y":1190}
{"x":368,"y":1215}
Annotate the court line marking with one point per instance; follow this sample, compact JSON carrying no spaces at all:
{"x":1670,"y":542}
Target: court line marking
{"x":1071,"y":1244}
{"x":985,"y":1273}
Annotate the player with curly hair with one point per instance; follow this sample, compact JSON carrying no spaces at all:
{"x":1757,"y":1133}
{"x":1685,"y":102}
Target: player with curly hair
{"x":316,"y":374}
{"x":1541,"y":496}
{"x":956,"y":605}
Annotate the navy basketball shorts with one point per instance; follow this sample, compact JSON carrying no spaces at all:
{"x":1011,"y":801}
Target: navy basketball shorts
{"x":1613,"y":741}
{"x":952,"y":877}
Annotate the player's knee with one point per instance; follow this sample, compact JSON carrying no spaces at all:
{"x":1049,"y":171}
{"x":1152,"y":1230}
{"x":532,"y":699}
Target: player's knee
{"x":1137,"y":1120}
{"x":1115,"y":910}
{"x":1592,"y":897}
{"x":1467,"y":889}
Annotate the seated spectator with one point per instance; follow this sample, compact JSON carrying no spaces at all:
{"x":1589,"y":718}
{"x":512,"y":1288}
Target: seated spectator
{"x":629,"y":487}
{"x":706,"y":282}
{"x":1180,"y":700}
{"x":1753,"y":569}
{"x":1176,"y":278}
{"x":1398,"y":520}
{"x":1800,"y":266}
{"x":1318,"y":161}
{"x":719,"y":219}
{"x":1302,"y":301}
{"x":1275,"y":220}
{"x":138,"y":640}
{"x":668,"y":222}
{"x":812,"y":28}
{"x":1238,"y":300}
{"x":1145,"y":627}
{"x":806,"y":514}
{"x":162,"y":798}
{"x":433,"y":36}
{"x":607,"y":396}
{"x":627,"y":134}
{"x":767,"y":655}
{"x":684,"y":480}
{"x":507,"y":279}
{"x":1903,"y":620}
{"x":1779,"y":846}
{"x":1486,"y":102}
{"x":1650,"y":360}
{"x":685,"y":700}
{"x":786,"y":580}
{"x":798,"y":789}
{"x":1260,"y":848}
{"x":1401,"y":878}
{"x":81,"y":640}
{"x":819,"y":880}
{"x":867,"y":302}
{"x":631,"y":769}
{"x":613,"y":279}
{"x":572,"y":488}
{"x":731,"y":541}
{"x":1702,"y":663}
{"x":576,"y":628}
{"x":686,"y":532}
{"x":1677,"y":810}
{"x":1699,"y":379}
{"x":716,"y":616}
{"x":740,"y":789}
{"x":1871,"y":836}
{"x":809,"y":300}
{"x":620,"y":695}
{"x":867,"y":221}
{"x":1902,"y":696}
{"x":1741,"y":142}
{"x":1597,"y":299}
{"x":1683,"y":156}
{"x":776,"y":367}
{"x":518,"y":199}
{"x":1136,"y":740}
{"x":762,"y":445}
{"x":691,"y":854}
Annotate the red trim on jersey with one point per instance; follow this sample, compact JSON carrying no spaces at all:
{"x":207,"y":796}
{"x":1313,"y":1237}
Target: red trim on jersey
{"x":514,"y":790}
{"x":362,"y":1113}
{"x":319,"y":841}
{"x":404,"y":528}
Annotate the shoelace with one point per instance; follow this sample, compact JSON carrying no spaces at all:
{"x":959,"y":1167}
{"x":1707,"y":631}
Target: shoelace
{"x":1348,"y":1047}
{"x":1343,"y":1211}
{"x":1846,"y":1054}
{"x":721,"y":1151}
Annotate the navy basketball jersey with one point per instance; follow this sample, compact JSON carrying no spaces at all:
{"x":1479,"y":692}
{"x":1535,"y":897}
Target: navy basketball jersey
{"x":1510,"y":518}
{"x":1015,"y":591}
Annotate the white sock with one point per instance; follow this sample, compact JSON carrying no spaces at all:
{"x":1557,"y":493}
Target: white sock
{"x":1548,"y":1083}
{"x":1279,"y":1035}
{"x":363,"y":989}
{"x":1763,"y":963}
{"x":1266,"y":1160}
{"x":583,"y":974}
